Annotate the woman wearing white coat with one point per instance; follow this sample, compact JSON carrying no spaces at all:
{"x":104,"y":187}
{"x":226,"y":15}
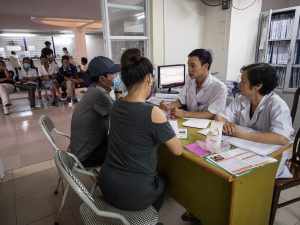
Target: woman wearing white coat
{"x":259,"y":108}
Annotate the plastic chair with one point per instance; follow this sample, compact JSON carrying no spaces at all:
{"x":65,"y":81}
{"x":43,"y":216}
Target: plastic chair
{"x":97,"y":211}
{"x":283,"y":184}
{"x":48,"y":128}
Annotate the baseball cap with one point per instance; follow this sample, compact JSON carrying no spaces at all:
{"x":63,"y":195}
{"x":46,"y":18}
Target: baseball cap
{"x":101,"y":65}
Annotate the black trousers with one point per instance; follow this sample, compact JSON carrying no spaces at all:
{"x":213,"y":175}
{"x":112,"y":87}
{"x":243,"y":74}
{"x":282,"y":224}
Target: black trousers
{"x":31,"y":91}
{"x":97,"y":157}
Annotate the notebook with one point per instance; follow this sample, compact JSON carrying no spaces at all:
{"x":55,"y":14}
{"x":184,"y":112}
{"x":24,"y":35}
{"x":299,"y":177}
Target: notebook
{"x":196,"y":149}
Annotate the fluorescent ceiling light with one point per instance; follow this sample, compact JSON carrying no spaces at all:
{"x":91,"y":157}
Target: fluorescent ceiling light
{"x":17,"y":35}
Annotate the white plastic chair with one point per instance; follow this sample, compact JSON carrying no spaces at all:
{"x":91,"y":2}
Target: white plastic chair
{"x":49,"y":129}
{"x":97,"y":211}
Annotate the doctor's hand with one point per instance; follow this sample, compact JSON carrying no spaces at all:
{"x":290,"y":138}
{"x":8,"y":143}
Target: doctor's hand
{"x":163,"y":106}
{"x":179,"y":113}
{"x":231,"y":129}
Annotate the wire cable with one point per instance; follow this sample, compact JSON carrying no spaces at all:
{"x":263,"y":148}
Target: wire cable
{"x":244,"y":7}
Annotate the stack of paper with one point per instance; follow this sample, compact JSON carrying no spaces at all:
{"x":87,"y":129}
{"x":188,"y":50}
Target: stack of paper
{"x":197,"y":123}
{"x":239,"y":161}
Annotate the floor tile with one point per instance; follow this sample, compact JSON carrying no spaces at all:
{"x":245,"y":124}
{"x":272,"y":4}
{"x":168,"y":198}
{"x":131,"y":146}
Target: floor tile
{"x":170,"y":213}
{"x":35,"y":183}
{"x":7,"y":177}
{"x":66,"y":218}
{"x":76,"y":214}
{"x":37,"y":206}
{"x":288,"y":215}
{"x":6,"y":192}
{"x":8,"y":214}
{"x":11,"y":162}
{"x":31,"y":169}
{"x":290,"y":194}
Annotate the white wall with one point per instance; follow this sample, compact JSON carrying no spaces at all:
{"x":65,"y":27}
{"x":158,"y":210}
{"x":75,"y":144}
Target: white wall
{"x":157,"y":33}
{"x":274,"y":4}
{"x":94,"y":46}
{"x":242,"y":38}
{"x":216,"y":37}
{"x":183,"y":25}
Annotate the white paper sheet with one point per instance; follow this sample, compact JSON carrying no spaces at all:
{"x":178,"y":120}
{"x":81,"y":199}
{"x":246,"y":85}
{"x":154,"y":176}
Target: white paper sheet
{"x":197,"y":123}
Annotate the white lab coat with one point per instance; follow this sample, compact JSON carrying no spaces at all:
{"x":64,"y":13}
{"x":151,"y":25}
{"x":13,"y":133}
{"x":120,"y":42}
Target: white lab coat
{"x":271,"y":115}
{"x":211,"y":96}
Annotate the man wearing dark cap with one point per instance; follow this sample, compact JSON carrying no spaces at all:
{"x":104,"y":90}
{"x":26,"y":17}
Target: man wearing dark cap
{"x":90,"y":120}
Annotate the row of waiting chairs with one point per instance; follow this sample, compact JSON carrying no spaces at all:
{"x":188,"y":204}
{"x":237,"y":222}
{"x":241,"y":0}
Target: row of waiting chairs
{"x":94,"y":211}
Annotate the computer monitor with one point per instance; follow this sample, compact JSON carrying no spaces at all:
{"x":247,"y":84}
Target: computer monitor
{"x":171,"y":76}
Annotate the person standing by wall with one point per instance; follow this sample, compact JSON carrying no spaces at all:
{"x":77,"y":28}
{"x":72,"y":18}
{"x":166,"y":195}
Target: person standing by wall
{"x":15,"y":63}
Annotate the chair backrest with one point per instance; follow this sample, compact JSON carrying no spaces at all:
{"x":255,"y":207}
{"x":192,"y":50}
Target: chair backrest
{"x":47,"y":127}
{"x":65,"y":163}
{"x":296,"y":149}
{"x":295,"y":104}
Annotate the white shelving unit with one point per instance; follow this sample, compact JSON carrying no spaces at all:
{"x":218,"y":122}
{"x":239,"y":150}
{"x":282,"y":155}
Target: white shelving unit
{"x":278,"y":44}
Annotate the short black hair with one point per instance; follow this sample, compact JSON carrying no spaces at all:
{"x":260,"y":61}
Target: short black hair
{"x":135,"y":71}
{"x":65,"y":57}
{"x":84,"y":60}
{"x":47,"y":43}
{"x":13,"y":52}
{"x":64,"y":48}
{"x":43,"y":56}
{"x":262,"y":73}
{"x":204,"y":56}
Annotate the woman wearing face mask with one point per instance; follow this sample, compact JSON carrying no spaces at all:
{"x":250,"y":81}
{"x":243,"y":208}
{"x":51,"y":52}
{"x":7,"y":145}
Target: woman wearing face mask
{"x":128,"y":178}
{"x":28,"y":80}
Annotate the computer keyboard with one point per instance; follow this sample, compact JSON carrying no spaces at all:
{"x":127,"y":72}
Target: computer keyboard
{"x":166,"y":96}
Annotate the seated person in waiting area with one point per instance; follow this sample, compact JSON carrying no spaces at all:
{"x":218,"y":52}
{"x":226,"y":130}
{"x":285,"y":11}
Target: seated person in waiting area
{"x":89,"y":126}
{"x":203,"y":94}
{"x":83,"y":73}
{"x":6,"y":86}
{"x":259,"y":108}
{"x":128,"y":178}
{"x":67,"y":78}
{"x":48,"y":76}
{"x":28,"y":80}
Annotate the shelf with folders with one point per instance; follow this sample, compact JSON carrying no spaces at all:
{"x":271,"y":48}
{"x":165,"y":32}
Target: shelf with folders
{"x":278,"y":52}
{"x":280,"y":71}
{"x":278,"y":44}
{"x":281,"y":26}
{"x":295,"y":78}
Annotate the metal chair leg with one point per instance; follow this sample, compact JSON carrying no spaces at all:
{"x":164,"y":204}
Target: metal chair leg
{"x":58,"y":184}
{"x":274,"y":207}
{"x":61,"y":205}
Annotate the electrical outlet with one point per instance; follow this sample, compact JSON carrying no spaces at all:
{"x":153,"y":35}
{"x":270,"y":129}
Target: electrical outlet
{"x":225,"y":4}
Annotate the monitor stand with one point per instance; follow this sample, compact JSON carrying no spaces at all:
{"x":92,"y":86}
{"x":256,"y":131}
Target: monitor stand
{"x":169,"y":91}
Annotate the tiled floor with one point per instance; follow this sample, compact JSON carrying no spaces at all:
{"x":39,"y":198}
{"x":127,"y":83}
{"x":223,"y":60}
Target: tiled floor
{"x":26,"y":193}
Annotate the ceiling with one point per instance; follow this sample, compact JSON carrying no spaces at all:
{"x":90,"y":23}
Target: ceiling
{"x":16,"y":14}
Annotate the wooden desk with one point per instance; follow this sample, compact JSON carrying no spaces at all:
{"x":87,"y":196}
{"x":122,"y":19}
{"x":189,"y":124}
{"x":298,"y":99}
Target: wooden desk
{"x":213,"y":195}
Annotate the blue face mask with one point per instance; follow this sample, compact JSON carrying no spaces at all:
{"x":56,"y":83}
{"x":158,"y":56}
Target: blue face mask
{"x":116,"y":82}
{"x":26,"y":66}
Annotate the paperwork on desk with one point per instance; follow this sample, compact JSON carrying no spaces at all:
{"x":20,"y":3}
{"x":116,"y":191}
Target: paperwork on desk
{"x":259,"y":148}
{"x":180,"y":133}
{"x":197,"y":123}
{"x":238,"y":161}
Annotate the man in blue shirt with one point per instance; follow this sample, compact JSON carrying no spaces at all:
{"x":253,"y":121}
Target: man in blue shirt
{"x":67,"y":79}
